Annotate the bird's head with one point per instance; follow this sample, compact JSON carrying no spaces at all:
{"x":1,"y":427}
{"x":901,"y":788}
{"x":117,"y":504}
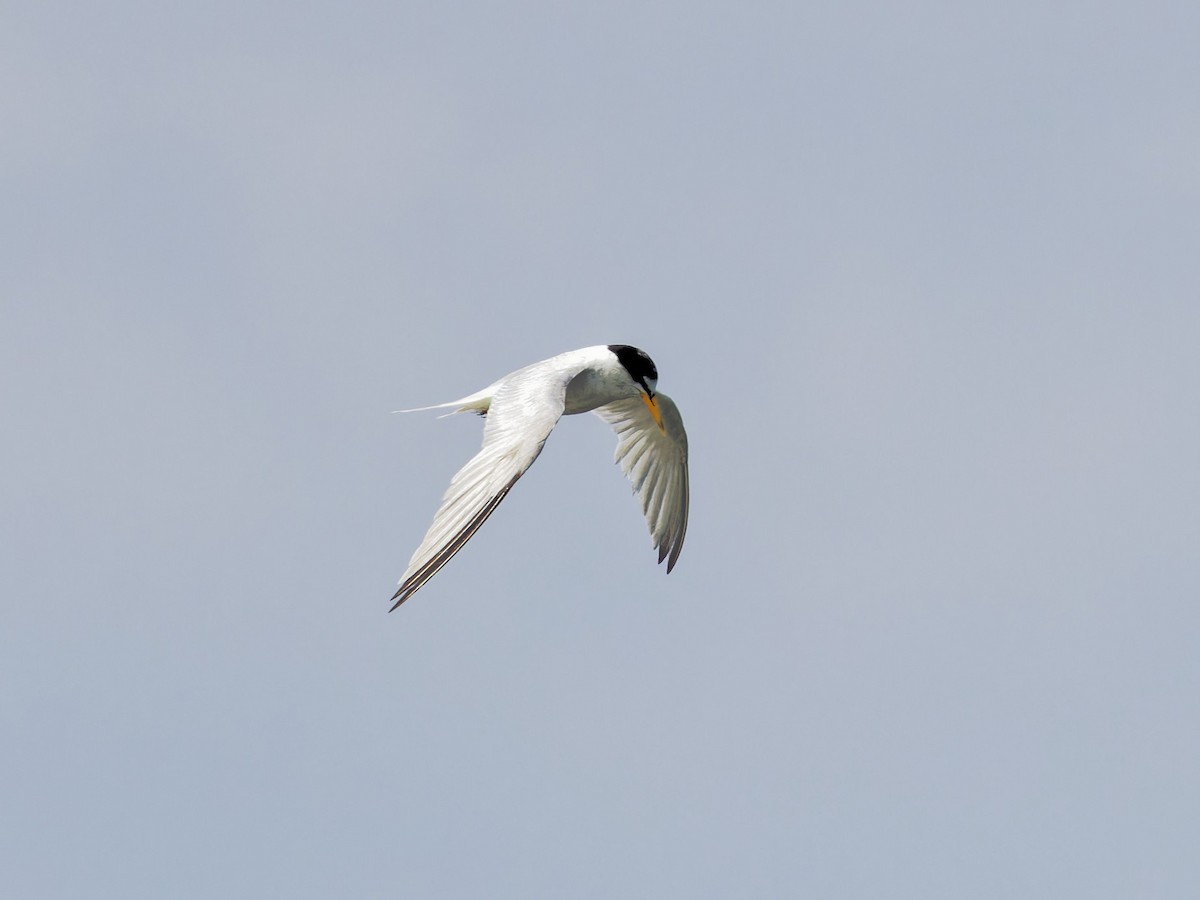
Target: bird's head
{"x":644,"y":375}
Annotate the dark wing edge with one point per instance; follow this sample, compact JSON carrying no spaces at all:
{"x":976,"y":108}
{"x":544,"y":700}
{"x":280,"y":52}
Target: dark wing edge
{"x":434,"y":564}
{"x":521,"y":416}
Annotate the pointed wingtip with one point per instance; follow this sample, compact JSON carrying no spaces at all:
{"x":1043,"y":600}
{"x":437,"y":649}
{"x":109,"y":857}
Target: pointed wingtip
{"x":674,"y":556}
{"x":398,"y":602}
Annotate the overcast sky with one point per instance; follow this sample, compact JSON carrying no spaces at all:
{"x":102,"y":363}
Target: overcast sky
{"x":924,"y":281}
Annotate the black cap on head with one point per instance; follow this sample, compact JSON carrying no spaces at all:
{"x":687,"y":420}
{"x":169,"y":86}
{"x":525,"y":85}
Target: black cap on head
{"x":639,"y":366}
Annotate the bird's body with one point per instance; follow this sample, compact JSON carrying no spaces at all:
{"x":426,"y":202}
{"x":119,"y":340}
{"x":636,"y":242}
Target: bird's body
{"x":615,"y":381}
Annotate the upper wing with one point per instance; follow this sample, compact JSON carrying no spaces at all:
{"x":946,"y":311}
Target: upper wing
{"x":655,"y":460}
{"x":522,"y":414}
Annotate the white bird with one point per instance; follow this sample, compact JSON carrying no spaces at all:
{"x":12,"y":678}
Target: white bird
{"x":618,"y":383}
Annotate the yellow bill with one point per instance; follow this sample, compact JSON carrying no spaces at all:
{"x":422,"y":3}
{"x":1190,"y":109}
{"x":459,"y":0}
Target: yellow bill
{"x":652,"y":405}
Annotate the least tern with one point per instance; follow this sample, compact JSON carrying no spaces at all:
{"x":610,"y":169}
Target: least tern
{"x":615,"y":381}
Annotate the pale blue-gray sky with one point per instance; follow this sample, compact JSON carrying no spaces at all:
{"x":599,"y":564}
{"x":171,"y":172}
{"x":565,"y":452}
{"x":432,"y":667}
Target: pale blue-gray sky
{"x":925,"y":284}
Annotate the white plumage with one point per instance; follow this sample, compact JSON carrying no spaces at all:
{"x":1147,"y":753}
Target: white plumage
{"x":618,"y":383}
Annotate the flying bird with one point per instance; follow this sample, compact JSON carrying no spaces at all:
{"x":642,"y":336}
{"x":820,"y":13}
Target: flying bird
{"x":617,"y":382}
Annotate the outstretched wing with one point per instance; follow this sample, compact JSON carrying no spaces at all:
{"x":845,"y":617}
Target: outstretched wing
{"x":521,"y":416}
{"x":655,"y":461}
